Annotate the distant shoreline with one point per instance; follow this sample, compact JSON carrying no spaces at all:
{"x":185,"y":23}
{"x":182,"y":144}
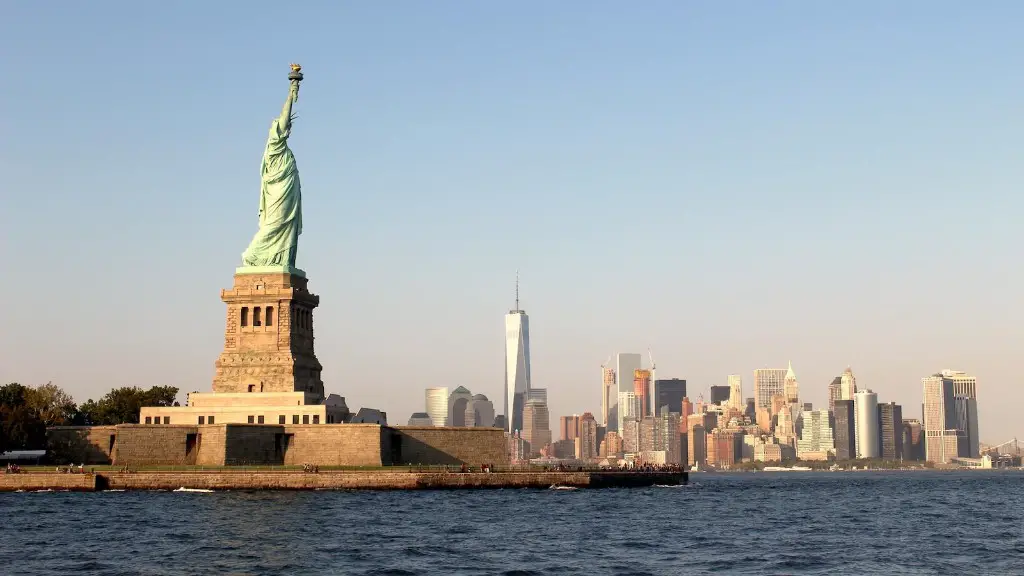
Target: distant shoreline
{"x":850,"y":470}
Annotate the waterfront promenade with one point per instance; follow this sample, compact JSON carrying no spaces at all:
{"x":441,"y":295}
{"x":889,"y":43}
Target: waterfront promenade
{"x":230,"y":478}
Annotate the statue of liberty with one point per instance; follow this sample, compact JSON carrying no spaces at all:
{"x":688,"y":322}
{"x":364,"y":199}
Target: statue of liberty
{"x":277,"y":240}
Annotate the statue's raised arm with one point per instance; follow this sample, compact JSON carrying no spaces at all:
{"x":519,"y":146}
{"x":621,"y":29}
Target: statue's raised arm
{"x":294,"y":78}
{"x":276,"y":242}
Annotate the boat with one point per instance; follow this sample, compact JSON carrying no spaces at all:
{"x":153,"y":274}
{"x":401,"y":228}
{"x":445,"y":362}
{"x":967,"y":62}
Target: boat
{"x":787,"y":469}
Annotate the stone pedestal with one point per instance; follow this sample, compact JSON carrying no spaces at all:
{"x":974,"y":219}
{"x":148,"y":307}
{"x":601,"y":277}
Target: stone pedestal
{"x":268,"y":341}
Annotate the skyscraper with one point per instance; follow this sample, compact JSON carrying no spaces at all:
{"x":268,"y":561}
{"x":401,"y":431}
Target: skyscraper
{"x":629,"y":407}
{"x":967,"y":422}
{"x":687,"y":407}
{"x":847,"y":385}
{"x":736,"y":391}
{"x":480,"y":412}
{"x":536,"y":425}
{"x":437,"y":406}
{"x":865,"y":406}
{"x":890,"y":428}
{"x":569,"y":426}
{"x":517,"y":364}
{"x":913,"y":442}
{"x":845,"y":433}
{"x":816,"y":434}
{"x":720,"y":394}
{"x":963,"y":384}
{"x":626,"y":365}
{"x":768,"y":382}
{"x":942,"y":439}
{"x":834,"y":393}
{"x":642,"y":389}
{"x":609,"y":398}
{"x":965,"y":387}
{"x":668,"y":395}
{"x":791,"y":388}
{"x":457,"y":403}
{"x":539,"y":394}
{"x":586,"y":442}
{"x":751,"y":409}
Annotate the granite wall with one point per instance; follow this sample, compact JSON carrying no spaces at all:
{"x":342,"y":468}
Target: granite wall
{"x":82,"y":444}
{"x":338,"y":445}
{"x":141,"y":445}
{"x":454,"y":446}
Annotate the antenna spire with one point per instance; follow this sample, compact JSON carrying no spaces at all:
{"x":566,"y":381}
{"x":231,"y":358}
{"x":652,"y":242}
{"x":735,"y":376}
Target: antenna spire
{"x":517,"y":289}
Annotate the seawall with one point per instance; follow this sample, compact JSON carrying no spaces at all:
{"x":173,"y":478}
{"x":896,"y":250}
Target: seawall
{"x":332,"y":480}
{"x":34,"y":481}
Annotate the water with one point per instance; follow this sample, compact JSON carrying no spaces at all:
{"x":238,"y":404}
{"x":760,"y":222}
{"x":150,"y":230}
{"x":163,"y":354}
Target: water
{"x":768,"y":523}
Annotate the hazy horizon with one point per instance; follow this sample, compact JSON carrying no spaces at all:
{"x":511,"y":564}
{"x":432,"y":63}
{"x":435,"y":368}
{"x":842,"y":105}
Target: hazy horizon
{"x":730,"y":186}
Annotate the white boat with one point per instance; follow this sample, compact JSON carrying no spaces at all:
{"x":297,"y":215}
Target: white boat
{"x":787,"y":469}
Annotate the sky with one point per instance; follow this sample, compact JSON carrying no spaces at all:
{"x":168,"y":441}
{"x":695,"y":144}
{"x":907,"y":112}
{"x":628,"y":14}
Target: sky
{"x":732,"y":185}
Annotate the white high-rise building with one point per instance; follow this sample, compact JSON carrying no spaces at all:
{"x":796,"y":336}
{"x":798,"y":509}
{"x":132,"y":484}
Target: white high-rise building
{"x":847,"y":385}
{"x":517,"y":364}
{"x":629,"y":406}
{"x":865,"y":409}
{"x":816,"y":435}
{"x":768,"y":383}
{"x":736,"y":392}
{"x":437,"y":406}
{"x":626,"y":366}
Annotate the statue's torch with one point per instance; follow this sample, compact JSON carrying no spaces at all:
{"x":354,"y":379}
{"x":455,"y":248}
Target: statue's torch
{"x":296,"y":76}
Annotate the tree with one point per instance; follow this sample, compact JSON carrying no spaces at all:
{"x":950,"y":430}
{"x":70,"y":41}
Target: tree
{"x":88,"y":414}
{"x":52,"y":404}
{"x":122,"y":405}
{"x":160,"y":396}
{"x":21,"y":429}
{"x":13,"y":395}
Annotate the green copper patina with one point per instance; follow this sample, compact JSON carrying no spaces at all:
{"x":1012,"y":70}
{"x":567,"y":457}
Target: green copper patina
{"x":276,"y":243}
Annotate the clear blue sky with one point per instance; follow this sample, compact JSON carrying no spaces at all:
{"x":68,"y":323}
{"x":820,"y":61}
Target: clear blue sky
{"x":732,"y":184}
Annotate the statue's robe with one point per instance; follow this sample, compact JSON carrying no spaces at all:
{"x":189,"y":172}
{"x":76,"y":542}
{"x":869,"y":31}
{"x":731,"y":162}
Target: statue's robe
{"x":277,"y":240}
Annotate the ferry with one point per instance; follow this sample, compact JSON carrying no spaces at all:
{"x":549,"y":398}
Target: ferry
{"x":787,"y":469}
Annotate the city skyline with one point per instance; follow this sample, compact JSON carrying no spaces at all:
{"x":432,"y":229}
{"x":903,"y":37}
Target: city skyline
{"x":431,"y":172}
